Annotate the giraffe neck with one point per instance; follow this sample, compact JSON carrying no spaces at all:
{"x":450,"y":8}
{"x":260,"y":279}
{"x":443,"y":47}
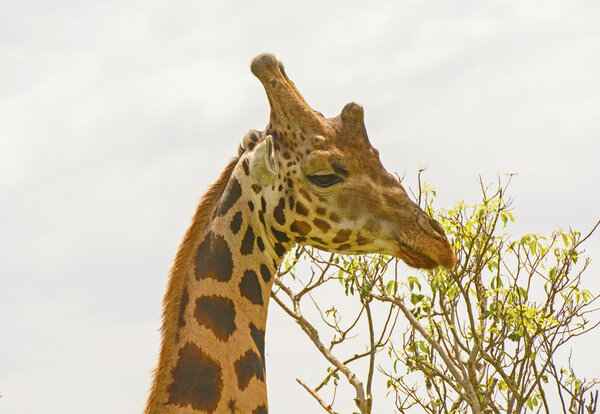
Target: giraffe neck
{"x":212,"y":358}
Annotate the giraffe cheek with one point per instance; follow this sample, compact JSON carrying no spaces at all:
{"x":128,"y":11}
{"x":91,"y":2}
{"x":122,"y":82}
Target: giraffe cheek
{"x":279,"y":211}
{"x":301,"y":227}
{"x":322,"y":225}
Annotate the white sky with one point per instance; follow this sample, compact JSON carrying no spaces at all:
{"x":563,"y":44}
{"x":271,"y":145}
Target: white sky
{"x":116,"y":115}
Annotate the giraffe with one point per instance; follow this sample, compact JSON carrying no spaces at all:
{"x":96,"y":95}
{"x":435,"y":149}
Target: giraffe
{"x":304,"y":179}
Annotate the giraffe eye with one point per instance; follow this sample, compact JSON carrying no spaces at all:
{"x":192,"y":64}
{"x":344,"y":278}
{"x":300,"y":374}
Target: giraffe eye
{"x":324,"y":180}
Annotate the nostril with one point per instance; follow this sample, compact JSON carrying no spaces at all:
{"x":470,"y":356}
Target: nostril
{"x":437,"y":227}
{"x":430,"y":226}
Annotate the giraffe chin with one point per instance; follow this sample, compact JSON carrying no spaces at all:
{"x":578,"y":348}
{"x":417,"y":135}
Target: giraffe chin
{"x":416,"y":259}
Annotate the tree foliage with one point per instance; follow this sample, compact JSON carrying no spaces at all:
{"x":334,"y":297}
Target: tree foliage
{"x":484,"y":337}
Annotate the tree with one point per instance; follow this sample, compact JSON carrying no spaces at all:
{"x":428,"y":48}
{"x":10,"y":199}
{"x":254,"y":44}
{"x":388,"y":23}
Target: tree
{"x":483,"y":337}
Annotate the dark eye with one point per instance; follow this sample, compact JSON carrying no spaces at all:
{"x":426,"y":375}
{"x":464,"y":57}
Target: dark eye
{"x":324,"y":180}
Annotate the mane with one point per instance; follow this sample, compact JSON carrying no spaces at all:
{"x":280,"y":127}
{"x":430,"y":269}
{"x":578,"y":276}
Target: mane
{"x":183,"y":259}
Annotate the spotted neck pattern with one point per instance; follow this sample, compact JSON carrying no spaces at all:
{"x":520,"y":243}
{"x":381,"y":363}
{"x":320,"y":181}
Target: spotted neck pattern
{"x":216,"y":359}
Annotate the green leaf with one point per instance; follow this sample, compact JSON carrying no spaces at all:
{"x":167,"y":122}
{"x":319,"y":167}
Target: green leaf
{"x":414,"y":298}
{"x":412,"y":282}
{"x":391,"y":287}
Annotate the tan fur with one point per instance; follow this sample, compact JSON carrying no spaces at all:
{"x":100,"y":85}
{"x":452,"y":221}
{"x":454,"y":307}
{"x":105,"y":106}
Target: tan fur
{"x":172,"y":299}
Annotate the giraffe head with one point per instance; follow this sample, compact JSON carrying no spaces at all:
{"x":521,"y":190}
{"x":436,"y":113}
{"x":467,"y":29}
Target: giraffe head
{"x":323,"y":185}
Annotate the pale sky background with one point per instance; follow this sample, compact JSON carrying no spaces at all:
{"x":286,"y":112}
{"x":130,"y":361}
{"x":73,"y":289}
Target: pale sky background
{"x":115,"y":116}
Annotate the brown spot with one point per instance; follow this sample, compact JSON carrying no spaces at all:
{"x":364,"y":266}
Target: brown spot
{"x":250,"y":287}
{"x":286,"y":155}
{"x":232,"y":193}
{"x":292,"y":202}
{"x":245,"y":165}
{"x":251,"y":205}
{"x":301,"y":209}
{"x":318,"y":240}
{"x":322,"y":225}
{"x":248,"y":241}
{"x":280,"y":236}
{"x":263,"y":204}
{"x":261,"y":217}
{"x":342,"y":236}
{"x":197,"y":380}
{"x":258,"y":336}
{"x":321,"y":211}
{"x":344,"y":246}
{"x":304,"y":194}
{"x":300,"y":239}
{"x":335,"y":218}
{"x":373,"y":225}
{"x":248,"y":366}
{"x":301,"y":227}
{"x":185,"y":298}
{"x":213,"y":259}
{"x":231,"y":406}
{"x":278,"y":213}
{"x":279,"y":249}
{"x":261,"y":409}
{"x":236,"y":222}
{"x":256,"y":188}
{"x":290,"y":183}
{"x":260,"y":244}
{"x":217,"y":314}
{"x":361,"y":241}
{"x":265,"y":272}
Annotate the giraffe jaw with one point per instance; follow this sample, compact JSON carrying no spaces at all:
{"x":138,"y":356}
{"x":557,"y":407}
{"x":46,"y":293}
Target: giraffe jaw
{"x":415,"y":259}
{"x":441,"y":257}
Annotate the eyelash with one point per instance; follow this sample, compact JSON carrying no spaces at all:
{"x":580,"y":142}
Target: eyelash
{"x":324,"y":180}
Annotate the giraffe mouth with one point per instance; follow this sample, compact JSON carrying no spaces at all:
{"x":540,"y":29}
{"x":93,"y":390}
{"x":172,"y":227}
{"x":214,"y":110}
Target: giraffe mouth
{"x":414,"y":258}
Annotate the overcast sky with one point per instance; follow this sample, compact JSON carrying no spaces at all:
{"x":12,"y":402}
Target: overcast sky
{"x":116,"y":115}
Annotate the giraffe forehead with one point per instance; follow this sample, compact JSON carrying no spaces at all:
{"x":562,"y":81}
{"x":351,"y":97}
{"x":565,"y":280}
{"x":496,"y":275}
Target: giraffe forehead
{"x":317,"y":152}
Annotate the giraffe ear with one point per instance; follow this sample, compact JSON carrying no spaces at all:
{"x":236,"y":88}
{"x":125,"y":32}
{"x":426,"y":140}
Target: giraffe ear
{"x":263,"y":165}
